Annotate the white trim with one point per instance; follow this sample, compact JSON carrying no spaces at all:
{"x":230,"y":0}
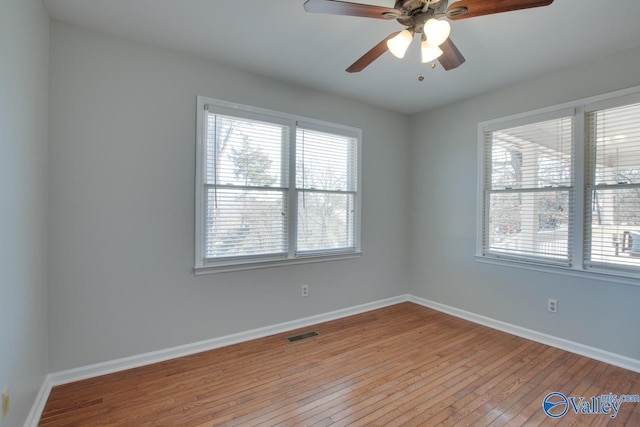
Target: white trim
{"x":199,"y":196}
{"x":481,"y":215}
{"x":254,"y":264}
{"x":38,"y":405}
{"x":117,"y":365}
{"x":523,"y":119}
{"x":557,"y":342}
{"x":358,"y":219}
{"x":628,"y":98}
{"x":577,"y":211}
{"x":228,"y":105}
{"x":615,"y":276}
{"x":124,"y":363}
{"x":590,"y":101}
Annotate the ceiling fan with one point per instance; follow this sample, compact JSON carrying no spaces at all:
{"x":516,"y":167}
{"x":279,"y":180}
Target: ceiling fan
{"x":420,"y":17}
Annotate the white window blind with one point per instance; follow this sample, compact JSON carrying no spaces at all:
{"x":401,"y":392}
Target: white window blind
{"x":528,"y":191}
{"x":326,"y":182}
{"x":273,"y":188}
{"x":245,"y":187}
{"x":612,"y":216}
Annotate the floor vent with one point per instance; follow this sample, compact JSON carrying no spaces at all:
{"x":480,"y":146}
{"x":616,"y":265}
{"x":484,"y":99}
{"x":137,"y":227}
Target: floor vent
{"x":302,"y":337}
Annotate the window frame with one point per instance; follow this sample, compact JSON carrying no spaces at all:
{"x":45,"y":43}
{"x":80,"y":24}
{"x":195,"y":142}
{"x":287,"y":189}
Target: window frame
{"x":570,"y":189}
{"x":204,"y":266}
{"x":577,"y":217}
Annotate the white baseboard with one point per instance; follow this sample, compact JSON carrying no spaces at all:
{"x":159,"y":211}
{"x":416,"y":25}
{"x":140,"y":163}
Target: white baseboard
{"x":38,"y":405}
{"x":124,"y":363}
{"x":561,"y":343}
{"x":90,"y":371}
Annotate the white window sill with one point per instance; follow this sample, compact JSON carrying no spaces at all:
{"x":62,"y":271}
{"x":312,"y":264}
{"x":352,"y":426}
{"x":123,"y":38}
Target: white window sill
{"x":254,"y":265}
{"x":594,"y":274}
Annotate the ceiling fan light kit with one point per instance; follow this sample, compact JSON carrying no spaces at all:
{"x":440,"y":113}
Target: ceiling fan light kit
{"x":399,"y":44}
{"x":424,"y":17}
{"x":437,"y":31}
{"x":429,"y":52}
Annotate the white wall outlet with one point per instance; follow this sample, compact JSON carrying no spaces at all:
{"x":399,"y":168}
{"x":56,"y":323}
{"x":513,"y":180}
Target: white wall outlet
{"x":552,"y":305}
{"x":305,"y":290}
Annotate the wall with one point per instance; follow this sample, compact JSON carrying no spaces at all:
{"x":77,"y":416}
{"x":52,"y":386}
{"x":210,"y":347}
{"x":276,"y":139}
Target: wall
{"x":24,"y":49}
{"x":122,"y":154}
{"x":443,"y":218}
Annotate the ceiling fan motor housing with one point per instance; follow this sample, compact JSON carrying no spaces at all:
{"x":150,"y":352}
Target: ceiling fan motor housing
{"x":409,"y":7}
{"x":414,"y":16}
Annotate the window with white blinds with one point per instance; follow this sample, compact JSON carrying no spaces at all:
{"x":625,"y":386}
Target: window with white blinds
{"x":528,"y":193}
{"x":612,"y":223}
{"x":273,"y":188}
{"x":326,"y":165}
{"x":246,"y":185}
{"x":559,"y":188}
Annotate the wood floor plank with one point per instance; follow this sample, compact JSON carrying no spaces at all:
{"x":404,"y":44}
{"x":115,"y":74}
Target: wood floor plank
{"x":402,"y":365}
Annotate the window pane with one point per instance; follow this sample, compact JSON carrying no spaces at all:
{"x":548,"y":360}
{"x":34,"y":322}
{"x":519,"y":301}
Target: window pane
{"x":325,"y":161}
{"x":615,"y":223}
{"x":613,"y":217}
{"x":326,"y":221}
{"x":241,"y":222}
{"x":529,"y":223}
{"x":615,"y":136}
{"x":245,"y":152}
{"x":245,"y":221}
{"x":326,"y":171}
{"x":537,"y":155}
{"x":528,"y":215}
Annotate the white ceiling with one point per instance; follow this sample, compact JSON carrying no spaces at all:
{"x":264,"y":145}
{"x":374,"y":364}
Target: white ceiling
{"x":277,"y":38}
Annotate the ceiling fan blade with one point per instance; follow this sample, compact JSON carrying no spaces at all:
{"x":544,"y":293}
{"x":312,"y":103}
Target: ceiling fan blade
{"x":335,"y":7}
{"x":370,"y":56}
{"x":451,"y":58}
{"x":487,"y":7}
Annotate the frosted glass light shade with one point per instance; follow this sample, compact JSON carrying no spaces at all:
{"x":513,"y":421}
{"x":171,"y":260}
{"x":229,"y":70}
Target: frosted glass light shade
{"x":437,"y":31}
{"x":399,"y":44}
{"x":429,"y":52}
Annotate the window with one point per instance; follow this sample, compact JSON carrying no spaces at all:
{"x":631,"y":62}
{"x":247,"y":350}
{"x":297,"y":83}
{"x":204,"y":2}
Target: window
{"x":326,"y":183}
{"x":529,"y":190}
{"x":613,"y":188}
{"x":273,"y":188}
{"x":555,"y":195}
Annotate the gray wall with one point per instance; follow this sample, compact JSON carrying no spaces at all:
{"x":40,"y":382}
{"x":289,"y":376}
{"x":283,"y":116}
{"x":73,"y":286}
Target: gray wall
{"x":24,"y":53}
{"x":121,"y":218}
{"x":443,"y":219}
{"x":122,"y":154}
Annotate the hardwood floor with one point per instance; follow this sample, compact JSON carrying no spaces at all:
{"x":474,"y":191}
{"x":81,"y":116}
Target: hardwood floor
{"x":403,"y":365}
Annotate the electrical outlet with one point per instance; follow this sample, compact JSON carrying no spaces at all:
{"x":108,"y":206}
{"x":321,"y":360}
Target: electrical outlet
{"x":552,"y":305}
{"x":305,"y":290}
{"x":5,"y":403}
